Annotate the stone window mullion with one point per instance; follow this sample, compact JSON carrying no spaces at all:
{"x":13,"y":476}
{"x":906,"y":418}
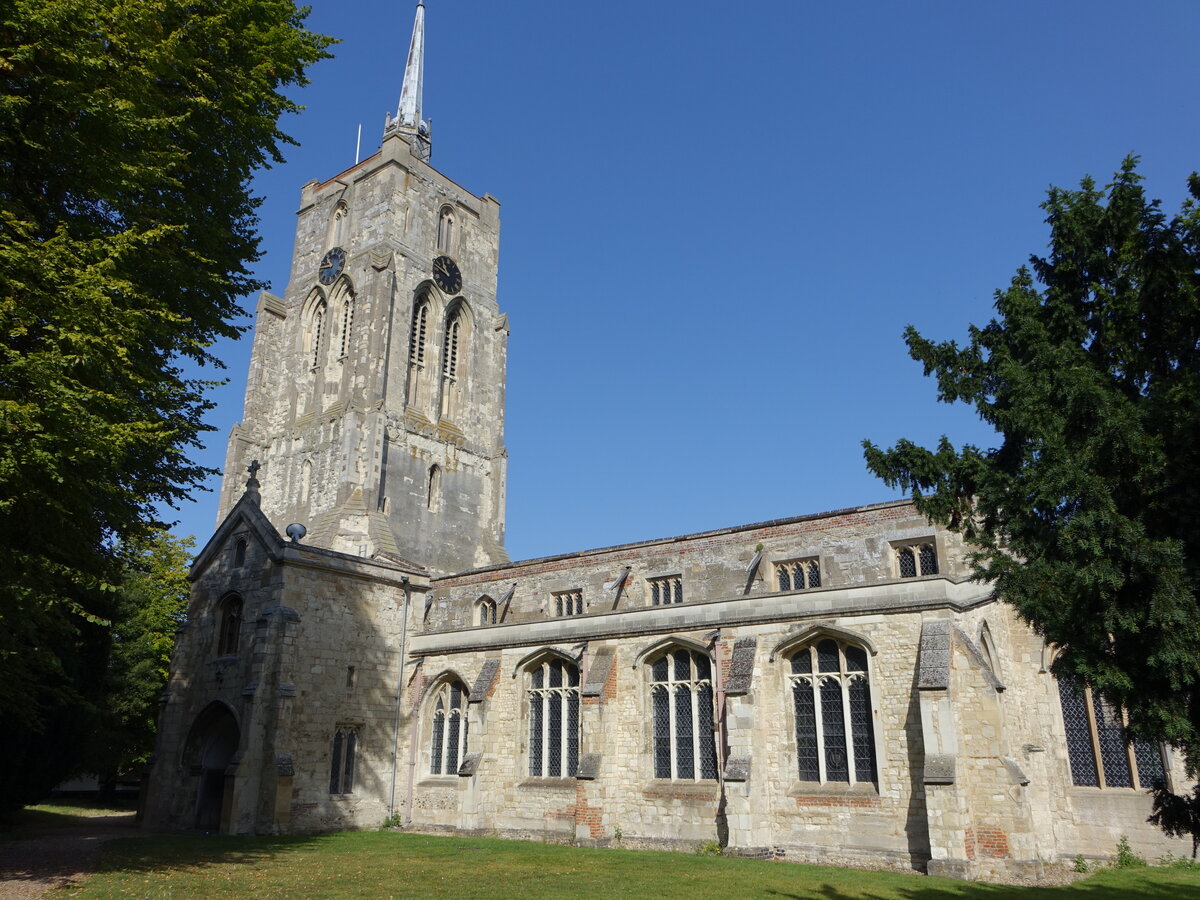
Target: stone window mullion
{"x":1094,"y":734}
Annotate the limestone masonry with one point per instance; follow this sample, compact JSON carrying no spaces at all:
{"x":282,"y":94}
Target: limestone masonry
{"x":828,"y":687}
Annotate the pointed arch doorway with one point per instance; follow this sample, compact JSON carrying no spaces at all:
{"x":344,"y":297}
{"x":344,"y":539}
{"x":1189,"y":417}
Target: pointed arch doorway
{"x":210,"y":749}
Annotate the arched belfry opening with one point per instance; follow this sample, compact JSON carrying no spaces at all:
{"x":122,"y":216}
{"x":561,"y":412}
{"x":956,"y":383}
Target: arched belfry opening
{"x":207,"y":756}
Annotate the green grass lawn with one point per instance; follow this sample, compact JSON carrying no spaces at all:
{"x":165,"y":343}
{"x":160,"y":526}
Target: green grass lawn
{"x":390,"y":864}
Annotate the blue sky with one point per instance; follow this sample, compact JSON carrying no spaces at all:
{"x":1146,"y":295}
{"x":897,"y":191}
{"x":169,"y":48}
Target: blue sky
{"x":718,"y":218}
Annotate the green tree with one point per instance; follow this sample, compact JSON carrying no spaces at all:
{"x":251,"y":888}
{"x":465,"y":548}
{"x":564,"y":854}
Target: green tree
{"x":129,"y":130}
{"x":1086,"y":517}
{"x":151,"y":603}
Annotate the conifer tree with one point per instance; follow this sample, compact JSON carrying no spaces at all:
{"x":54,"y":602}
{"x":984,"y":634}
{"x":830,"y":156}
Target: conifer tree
{"x":1086,"y":516}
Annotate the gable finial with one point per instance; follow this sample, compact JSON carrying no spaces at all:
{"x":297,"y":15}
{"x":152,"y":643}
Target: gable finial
{"x":408,"y":121}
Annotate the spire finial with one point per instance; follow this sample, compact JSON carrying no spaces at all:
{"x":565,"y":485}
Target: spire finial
{"x":252,"y":484}
{"x":408,"y":121}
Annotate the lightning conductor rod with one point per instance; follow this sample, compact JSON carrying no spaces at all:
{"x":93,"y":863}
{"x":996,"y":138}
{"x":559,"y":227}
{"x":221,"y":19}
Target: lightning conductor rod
{"x":358,"y":144}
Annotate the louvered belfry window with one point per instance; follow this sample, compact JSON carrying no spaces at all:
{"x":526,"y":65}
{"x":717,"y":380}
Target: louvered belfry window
{"x":831,"y":698}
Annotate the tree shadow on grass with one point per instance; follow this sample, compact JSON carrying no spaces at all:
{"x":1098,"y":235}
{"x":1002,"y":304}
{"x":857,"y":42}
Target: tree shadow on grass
{"x":1144,"y":884}
{"x":152,"y":853}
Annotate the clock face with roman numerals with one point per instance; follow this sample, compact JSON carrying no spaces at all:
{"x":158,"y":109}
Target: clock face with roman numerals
{"x":446,"y":275}
{"x":332,"y":265}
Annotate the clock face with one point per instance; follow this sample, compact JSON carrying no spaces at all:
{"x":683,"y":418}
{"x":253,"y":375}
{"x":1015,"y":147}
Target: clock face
{"x":446,"y":275}
{"x":332,"y":265}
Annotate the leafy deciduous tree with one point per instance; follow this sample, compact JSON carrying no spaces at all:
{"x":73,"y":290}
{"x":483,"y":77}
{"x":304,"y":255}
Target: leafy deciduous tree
{"x":129,"y":130}
{"x":1086,"y":517}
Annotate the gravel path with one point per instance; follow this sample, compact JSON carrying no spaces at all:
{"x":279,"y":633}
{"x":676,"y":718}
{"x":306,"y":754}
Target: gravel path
{"x":38,"y":860}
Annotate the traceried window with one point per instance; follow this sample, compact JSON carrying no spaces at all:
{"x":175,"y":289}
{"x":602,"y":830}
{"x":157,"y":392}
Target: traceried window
{"x":445,"y":231}
{"x":917,"y":559}
{"x":798,"y":574}
{"x":554,"y":719}
{"x":448,"y":743}
{"x":681,"y":700}
{"x":664,"y":591}
{"x":487,"y":610}
{"x":831,"y":698}
{"x":1096,"y":733}
{"x":229,"y":625}
{"x":341,"y":767}
{"x":568,"y":603}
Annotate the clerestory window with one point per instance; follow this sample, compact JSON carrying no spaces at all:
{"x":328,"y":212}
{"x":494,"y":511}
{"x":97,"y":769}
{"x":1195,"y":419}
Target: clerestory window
{"x":554,"y":719}
{"x":916,"y":559}
{"x":666,"y":590}
{"x":831,"y":699}
{"x":448,"y":742}
{"x":568,"y":603}
{"x":487,"y":610}
{"x":681,"y":700}
{"x":798,"y":574}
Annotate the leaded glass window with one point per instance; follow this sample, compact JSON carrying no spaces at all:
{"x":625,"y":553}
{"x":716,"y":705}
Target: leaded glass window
{"x":681,"y":701}
{"x":831,"y":703}
{"x":664,"y":591}
{"x":798,"y":574}
{"x":554,"y":719}
{"x":917,"y":559}
{"x":1098,"y":749}
{"x":448,"y":741}
{"x":568,"y":603}
{"x":487,"y":611}
{"x":341,"y":766}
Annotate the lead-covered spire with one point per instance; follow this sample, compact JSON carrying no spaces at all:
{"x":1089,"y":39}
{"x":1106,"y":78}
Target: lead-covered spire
{"x":408,"y":121}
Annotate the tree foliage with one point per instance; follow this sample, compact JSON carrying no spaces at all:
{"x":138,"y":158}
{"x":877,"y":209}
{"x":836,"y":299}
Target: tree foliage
{"x":1086,"y":517}
{"x":129,"y":130}
{"x":151,"y":603}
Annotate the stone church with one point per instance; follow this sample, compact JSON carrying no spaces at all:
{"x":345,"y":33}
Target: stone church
{"x":359,"y":647}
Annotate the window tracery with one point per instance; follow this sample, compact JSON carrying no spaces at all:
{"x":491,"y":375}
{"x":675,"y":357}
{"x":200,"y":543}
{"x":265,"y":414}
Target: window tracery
{"x":448,"y":741}
{"x":681,"y":701}
{"x":831,"y":699}
{"x":553,"y":719}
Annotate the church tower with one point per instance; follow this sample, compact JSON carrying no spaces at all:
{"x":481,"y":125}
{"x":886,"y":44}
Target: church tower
{"x":375,"y":398}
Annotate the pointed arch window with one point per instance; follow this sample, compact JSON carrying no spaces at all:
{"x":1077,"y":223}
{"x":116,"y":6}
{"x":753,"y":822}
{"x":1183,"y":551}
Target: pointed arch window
{"x":487,"y":610}
{"x":341,"y":767}
{"x":831,"y":700}
{"x":445,"y":231}
{"x":347,"y":323}
{"x":553,"y":719}
{"x":339,"y":225}
{"x":420,"y":330}
{"x":433,"y":489}
{"x":448,"y":742}
{"x":450,"y":349}
{"x":229,"y":625}
{"x":239,"y":553}
{"x":681,"y":701}
{"x":316,"y":331}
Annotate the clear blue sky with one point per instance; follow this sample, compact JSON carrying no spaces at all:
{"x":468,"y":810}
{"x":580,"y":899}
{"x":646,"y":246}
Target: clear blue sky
{"x":718,"y":218}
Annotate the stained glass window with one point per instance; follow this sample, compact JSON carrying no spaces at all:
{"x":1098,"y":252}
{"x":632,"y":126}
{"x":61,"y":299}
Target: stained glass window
{"x":554,"y":719}
{"x":681,"y":697}
{"x":831,"y":703}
